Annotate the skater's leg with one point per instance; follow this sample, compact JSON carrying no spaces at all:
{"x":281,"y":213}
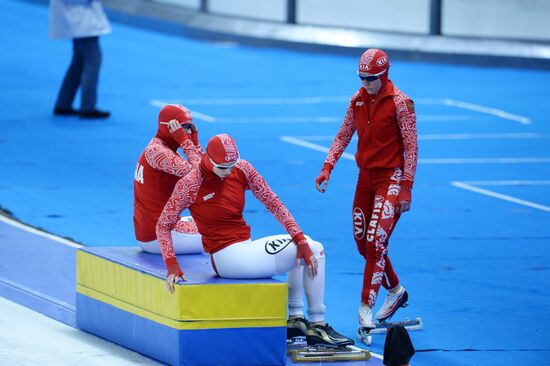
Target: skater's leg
{"x":185,"y":238}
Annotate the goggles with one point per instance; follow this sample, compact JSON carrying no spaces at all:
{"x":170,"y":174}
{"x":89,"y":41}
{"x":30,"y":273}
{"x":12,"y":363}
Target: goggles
{"x":187,"y":126}
{"x":371,"y":78}
{"x":223,"y":167}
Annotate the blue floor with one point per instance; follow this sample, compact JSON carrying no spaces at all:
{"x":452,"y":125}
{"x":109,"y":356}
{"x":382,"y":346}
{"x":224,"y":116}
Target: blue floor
{"x":475,"y":264}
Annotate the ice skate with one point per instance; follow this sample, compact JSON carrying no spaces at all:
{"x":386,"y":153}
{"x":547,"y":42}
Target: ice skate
{"x":326,"y":335}
{"x":393,"y":302}
{"x":366,"y":324}
{"x":296,"y":327}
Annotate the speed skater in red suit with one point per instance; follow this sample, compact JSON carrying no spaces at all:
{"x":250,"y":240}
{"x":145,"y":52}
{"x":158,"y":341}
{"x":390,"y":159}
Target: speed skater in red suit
{"x":214,"y":193}
{"x":387,"y":152}
{"x":158,"y":169}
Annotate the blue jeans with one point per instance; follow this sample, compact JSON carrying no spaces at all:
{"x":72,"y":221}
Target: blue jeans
{"x":84,"y":72}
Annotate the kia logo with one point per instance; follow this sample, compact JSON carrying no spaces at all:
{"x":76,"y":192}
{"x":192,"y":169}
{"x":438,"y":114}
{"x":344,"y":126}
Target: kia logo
{"x":276,"y":245}
{"x":382,"y":61}
{"x":359,"y":223}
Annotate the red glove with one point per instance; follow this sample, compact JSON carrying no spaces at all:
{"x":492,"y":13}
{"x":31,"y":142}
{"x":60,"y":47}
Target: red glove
{"x":174,"y":273}
{"x":405,"y":197}
{"x":304,"y":252}
{"x":179,"y":135}
{"x":323,"y":177}
{"x":195,"y":136}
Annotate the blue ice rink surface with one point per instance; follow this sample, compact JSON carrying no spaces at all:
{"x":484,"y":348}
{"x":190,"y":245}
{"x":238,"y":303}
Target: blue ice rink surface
{"x":473,"y":252}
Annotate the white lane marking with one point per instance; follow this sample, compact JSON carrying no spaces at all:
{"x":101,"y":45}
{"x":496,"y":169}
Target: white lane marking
{"x":488,"y":110}
{"x":32,"y":230}
{"x":444,"y":137}
{"x":480,"y":136}
{"x":531,"y":160}
{"x":280,"y":119}
{"x":196,"y":115}
{"x":504,"y":197}
{"x":508,"y":182}
{"x":312,"y":146}
{"x":266,"y":101}
{"x":333,"y":119}
{"x":339,"y":99}
{"x":534,"y":160}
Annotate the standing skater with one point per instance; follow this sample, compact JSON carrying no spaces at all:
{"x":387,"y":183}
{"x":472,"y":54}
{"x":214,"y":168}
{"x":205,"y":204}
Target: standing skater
{"x":214,"y":192}
{"x":387,"y":149}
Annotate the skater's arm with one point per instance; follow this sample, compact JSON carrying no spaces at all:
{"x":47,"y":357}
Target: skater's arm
{"x":183,"y":196}
{"x":160,"y":157}
{"x":339,"y":144}
{"x":406,"y":118}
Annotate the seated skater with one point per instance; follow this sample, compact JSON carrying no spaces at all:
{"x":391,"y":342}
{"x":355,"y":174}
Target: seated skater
{"x":158,"y":169}
{"x":214,"y":192}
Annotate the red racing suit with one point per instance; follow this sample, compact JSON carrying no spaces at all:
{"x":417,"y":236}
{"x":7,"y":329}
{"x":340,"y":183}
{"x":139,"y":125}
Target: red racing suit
{"x":158,"y":169}
{"x":217,"y":206}
{"x":387,"y":153}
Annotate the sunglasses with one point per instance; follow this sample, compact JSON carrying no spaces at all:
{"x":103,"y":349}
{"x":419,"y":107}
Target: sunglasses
{"x":371,"y":78}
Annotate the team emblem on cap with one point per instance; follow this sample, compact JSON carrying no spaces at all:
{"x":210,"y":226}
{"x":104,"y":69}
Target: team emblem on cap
{"x":231,"y":153}
{"x":382,"y":61}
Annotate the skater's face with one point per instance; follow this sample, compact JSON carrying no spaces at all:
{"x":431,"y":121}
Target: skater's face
{"x":223,"y":170}
{"x":371,"y":82}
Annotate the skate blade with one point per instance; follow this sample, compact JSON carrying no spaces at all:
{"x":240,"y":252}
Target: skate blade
{"x":320,"y":353}
{"x":383,"y":327}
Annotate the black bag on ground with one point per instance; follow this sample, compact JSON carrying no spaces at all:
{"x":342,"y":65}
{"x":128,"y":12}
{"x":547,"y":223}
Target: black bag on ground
{"x":398,"y":348}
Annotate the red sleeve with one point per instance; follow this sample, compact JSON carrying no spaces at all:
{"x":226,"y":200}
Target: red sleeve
{"x":270,"y":200}
{"x":183,"y":196}
{"x":160,"y":157}
{"x":406,"y":118}
{"x":193,"y":152}
{"x":344,"y":135}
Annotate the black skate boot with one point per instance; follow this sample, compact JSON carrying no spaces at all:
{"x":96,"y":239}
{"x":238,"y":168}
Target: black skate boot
{"x":325,"y":335}
{"x":296,"y":327}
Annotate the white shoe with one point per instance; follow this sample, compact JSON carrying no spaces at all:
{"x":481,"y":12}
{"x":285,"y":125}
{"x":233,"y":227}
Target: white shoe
{"x":365,"y":316}
{"x":393,"y":302}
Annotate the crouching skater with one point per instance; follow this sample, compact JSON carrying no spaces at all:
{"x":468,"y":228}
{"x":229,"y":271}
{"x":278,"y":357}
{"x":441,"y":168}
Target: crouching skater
{"x":214,"y":192}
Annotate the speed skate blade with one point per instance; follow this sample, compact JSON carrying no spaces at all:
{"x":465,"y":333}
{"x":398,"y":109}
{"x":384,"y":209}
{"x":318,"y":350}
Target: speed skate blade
{"x":329,"y":354}
{"x":383,"y":327}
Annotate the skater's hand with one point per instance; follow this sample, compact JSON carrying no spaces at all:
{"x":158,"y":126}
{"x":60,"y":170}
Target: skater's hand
{"x":179,"y":134}
{"x":195,"y":136}
{"x":190,"y":129}
{"x":174,"y":274}
{"x":304,"y":252}
{"x":405,"y":197}
{"x":322,"y":180}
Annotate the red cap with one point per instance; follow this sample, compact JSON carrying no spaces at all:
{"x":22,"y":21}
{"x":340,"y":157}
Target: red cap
{"x":222,"y":149}
{"x":168,"y":113}
{"x":374,"y":61}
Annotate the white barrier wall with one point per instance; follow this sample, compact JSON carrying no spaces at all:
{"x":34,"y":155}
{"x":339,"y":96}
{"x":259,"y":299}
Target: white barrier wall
{"x":190,"y":4}
{"x":513,"y":19}
{"x":409,"y":16}
{"x":273,"y":10}
{"x":518,"y":19}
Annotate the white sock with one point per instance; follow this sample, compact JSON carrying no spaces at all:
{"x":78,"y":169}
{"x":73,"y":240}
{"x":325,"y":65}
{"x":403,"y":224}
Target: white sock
{"x":315,"y":292}
{"x":296,"y":292}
